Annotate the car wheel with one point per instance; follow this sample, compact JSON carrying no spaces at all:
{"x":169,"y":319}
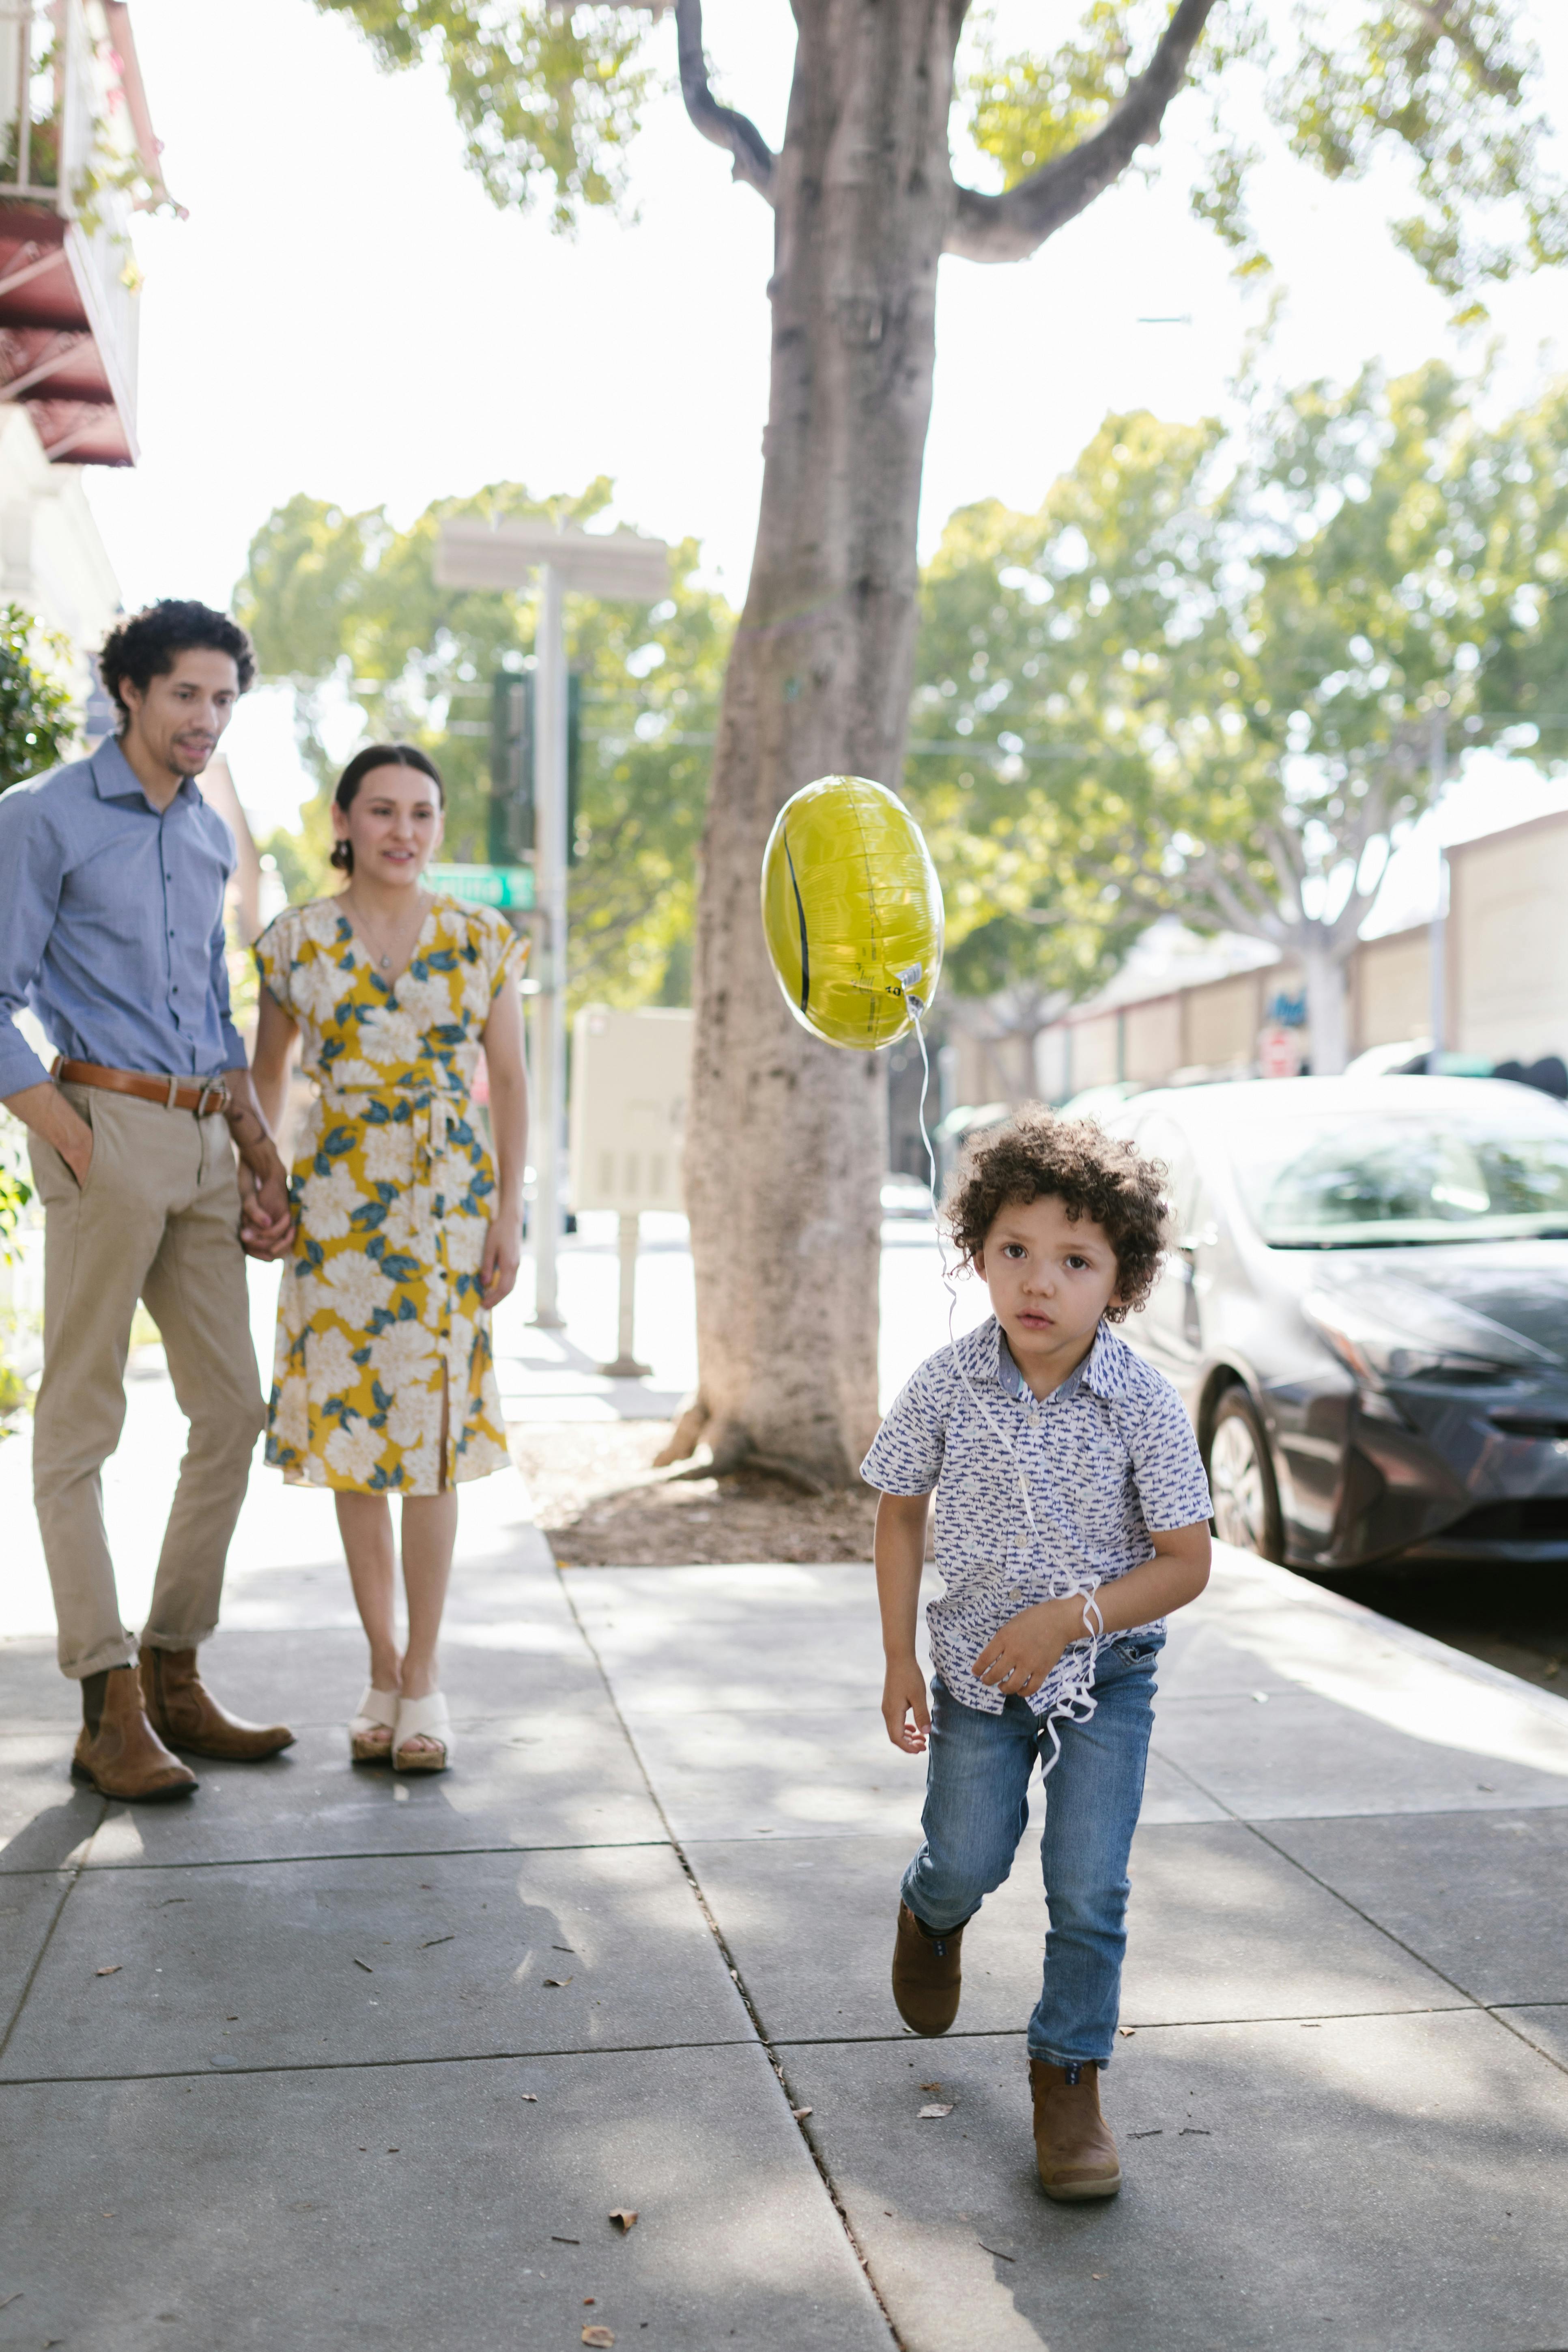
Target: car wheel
{"x":1241,"y":1479}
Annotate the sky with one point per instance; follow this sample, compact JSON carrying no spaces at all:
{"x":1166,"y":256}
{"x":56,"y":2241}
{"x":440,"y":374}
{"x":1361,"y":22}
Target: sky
{"x":344,"y":313}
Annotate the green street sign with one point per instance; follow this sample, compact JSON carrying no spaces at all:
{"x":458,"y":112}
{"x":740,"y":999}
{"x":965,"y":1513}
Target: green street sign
{"x":507,"y":886}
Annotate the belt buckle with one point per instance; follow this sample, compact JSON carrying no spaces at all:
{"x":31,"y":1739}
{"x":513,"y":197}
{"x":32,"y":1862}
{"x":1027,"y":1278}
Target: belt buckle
{"x":219,"y":1099}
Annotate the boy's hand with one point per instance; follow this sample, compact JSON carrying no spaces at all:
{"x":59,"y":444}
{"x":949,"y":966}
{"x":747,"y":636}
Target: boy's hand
{"x":1017,"y":1660}
{"x":903,"y":1695}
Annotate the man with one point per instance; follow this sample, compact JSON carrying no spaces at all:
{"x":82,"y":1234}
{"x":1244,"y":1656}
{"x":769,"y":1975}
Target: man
{"x":113,"y":874}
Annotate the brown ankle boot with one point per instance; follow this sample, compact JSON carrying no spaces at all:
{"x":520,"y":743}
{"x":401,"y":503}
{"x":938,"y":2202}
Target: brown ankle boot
{"x":182,"y":1711}
{"x":927,"y":1977}
{"x":1074,"y":2151}
{"x":117,"y":1752}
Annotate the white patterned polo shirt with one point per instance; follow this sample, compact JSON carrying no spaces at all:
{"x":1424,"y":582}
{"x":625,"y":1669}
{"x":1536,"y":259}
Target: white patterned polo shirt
{"x":1105,"y":1458}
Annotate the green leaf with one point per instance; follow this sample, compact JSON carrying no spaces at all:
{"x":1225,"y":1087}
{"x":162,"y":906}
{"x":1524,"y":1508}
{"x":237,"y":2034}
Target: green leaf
{"x":544,"y":98}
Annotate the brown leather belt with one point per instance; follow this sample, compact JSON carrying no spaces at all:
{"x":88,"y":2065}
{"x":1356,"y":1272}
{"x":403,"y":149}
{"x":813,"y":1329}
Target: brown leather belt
{"x":203,"y":1096}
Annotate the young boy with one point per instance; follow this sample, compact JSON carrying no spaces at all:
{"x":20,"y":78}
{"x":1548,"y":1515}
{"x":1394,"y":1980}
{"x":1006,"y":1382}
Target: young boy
{"x":1063,"y":1466}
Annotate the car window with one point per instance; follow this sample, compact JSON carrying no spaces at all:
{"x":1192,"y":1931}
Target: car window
{"x":1329,"y":1180}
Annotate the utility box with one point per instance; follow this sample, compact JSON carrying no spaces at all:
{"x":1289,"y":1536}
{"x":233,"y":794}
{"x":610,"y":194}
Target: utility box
{"x":630,"y":1079}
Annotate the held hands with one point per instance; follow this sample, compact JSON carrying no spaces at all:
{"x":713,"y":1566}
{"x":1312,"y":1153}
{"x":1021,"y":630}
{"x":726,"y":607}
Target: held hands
{"x":498,"y":1264}
{"x":903,"y":1695}
{"x":266,"y":1220}
{"x":1017,"y":1660}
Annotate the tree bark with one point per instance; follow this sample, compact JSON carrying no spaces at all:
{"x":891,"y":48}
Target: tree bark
{"x":785,"y":1145}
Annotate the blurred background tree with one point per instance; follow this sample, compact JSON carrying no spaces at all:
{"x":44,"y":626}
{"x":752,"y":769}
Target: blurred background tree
{"x":1224,"y":675}
{"x":348,"y":609}
{"x":38,"y":718}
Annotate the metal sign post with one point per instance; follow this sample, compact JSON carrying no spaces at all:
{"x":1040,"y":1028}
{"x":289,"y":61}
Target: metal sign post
{"x":609,"y":564}
{"x":626,"y":1366}
{"x":1437,"y":935}
{"x":550,"y":1013}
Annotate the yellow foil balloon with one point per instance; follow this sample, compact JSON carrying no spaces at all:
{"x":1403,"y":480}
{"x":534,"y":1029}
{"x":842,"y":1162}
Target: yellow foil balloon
{"x":852,"y":911}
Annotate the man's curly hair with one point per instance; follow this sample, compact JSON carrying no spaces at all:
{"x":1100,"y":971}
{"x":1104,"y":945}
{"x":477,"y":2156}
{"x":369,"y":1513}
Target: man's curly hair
{"x":147,"y":645}
{"x":1039,"y":1156}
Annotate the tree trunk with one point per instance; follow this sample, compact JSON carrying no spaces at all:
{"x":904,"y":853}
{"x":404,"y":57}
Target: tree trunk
{"x":786,"y":1144}
{"x":1328,"y":1009}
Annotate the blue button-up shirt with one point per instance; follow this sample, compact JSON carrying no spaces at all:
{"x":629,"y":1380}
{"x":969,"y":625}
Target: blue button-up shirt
{"x":1036,"y":1497}
{"x":112,"y":924}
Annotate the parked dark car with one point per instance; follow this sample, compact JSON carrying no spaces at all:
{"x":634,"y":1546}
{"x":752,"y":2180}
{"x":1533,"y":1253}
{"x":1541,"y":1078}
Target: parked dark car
{"x":1366,"y":1313}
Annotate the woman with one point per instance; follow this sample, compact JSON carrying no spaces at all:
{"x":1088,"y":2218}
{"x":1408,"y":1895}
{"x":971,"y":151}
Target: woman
{"x":407,"y":1237}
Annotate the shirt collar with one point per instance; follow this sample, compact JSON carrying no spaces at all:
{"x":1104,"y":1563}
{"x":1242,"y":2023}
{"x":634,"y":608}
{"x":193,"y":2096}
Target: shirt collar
{"x":115,"y":779}
{"x":1098,"y":1372}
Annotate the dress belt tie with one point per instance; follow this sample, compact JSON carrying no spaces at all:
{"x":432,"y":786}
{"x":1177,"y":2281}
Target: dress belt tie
{"x":429,"y":1135}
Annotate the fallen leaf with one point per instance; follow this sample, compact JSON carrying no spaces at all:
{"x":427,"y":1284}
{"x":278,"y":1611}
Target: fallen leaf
{"x":800,"y":2113}
{"x":587,"y":2299}
{"x":937,"y":2108}
{"x":431,"y":1941}
{"x":113,"y":1971}
{"x":558,"y":1981}
{"x":362,"y":1964}
{"x":564,"y":2242}
{"x":532,"y":2097}
{"x":598,"y":2335}
{"x":1127,"y":2031}
{"x":1098,"y":2274}
{"x":930,"y":2086}
{"x":624,"y":2217}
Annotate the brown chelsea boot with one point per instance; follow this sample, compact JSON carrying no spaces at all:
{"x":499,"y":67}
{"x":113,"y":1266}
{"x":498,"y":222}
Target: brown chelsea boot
{"x":927,"y":1975}
{"x":117,"y":1752}
{"x":184,"y":1714}
{"x":1074,"y":2151}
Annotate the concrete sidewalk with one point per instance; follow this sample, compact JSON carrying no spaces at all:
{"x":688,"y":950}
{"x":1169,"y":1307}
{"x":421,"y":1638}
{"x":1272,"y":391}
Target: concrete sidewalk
{"x":310,"y":2108}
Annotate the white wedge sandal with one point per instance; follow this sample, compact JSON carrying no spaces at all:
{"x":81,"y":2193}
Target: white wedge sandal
{"x":427,"y":1716}
{"x":377,"y":1712}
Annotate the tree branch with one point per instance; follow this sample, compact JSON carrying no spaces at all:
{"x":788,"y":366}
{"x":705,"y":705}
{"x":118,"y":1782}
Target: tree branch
{"x":1009,"y":227}
{"x":1234,"y":895}
{"x":753,"y":157}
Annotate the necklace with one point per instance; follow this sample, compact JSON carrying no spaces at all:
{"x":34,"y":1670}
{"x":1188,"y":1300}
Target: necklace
{"x":385,"y":960}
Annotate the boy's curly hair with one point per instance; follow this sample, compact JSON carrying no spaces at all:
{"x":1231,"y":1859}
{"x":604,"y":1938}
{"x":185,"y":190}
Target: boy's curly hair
{"x":1036,"y":1156}
{"x":148,"y":644}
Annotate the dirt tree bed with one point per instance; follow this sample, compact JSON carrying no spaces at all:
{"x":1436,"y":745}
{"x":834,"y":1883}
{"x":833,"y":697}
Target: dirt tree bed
{"x":601,"y":1504}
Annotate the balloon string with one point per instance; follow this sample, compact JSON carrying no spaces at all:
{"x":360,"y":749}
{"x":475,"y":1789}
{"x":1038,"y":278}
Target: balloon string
{"x":1077,"y":1702}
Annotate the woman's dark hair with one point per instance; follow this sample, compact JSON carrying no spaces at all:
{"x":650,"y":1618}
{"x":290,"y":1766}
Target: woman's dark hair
{"x":1038,"y":1156}
{"x":378,"y":755}
{"x":147,"y":645}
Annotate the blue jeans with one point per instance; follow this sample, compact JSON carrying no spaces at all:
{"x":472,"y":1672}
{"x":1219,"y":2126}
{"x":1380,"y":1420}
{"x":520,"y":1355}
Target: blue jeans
{"x":976,"y":1808}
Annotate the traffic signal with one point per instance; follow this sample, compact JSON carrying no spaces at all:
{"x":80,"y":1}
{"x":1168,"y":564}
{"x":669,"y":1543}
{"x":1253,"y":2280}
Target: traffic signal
{"x":512,"y":838}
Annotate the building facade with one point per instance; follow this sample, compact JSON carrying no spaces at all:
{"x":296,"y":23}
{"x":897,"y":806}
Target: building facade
{"x":1492,"y":974}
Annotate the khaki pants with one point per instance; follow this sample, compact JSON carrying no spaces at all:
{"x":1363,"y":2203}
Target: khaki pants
{"x":157,"y":1219}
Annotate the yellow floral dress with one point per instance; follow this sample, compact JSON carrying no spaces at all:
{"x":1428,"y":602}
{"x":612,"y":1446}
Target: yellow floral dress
{"x":379,"y":1320}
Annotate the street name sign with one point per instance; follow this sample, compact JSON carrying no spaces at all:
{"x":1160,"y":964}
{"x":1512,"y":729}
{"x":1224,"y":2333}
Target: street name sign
{"x":510,"y":887}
